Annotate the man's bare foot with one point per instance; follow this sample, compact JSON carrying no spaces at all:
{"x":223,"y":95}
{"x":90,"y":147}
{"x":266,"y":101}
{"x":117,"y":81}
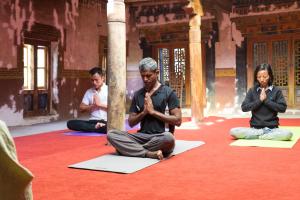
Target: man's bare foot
{"x":155,"y":154}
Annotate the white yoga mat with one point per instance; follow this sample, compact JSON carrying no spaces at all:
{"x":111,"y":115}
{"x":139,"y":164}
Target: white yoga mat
{"x":125,"y":164}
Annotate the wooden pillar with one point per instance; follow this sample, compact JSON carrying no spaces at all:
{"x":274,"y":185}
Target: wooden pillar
{"x":241,"y":71}
{"x":196,"y":68}
{"x":116,"y":64}
{"x":210,"y":66}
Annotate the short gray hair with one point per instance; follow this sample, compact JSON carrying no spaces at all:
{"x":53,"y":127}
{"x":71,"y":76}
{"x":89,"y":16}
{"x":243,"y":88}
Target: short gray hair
{"x":147,"y":64}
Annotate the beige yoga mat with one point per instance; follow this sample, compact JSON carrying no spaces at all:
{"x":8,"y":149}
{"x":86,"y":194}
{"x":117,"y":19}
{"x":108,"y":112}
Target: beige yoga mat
{"x":271,"y":143}
{"x":125,"y":164}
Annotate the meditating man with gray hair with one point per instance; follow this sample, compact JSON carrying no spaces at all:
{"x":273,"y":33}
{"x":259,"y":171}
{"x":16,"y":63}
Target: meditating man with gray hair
{"x":148,"y":108}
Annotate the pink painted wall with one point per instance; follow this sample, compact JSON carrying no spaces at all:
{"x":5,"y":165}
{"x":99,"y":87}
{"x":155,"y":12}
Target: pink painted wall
{"x":80,"y":28}
{"x":83,"y":40}
{"x":225,"y":93}
{"x":225,"y":87}
{"x":225,"y":48}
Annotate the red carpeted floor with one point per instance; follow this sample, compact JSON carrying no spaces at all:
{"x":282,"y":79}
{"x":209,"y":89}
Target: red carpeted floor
{"x":214,"y":171}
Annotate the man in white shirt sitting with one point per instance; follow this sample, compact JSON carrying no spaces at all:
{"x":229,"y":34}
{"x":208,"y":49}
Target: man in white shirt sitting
{"x":95,"y":102}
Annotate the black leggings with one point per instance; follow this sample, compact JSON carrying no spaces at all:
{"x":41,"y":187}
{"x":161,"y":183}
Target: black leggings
{"x":86,"y":125}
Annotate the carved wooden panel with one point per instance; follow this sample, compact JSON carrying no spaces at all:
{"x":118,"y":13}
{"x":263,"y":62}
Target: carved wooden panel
{"x":297,"y":62}
{"x":272,"y":23}
{"x":172,"y":63}
{"x":297,"y":70}
{"x":164,"y":63}
{"x":280,"y":62}
{"x":179,"y":62}
{"x":168,"y":12}
{"x":99,"y":4}
{"x":177,"y":74}
{"x":243,"y":7}
{"x":166,"y":33}
{"x":260,"y":53}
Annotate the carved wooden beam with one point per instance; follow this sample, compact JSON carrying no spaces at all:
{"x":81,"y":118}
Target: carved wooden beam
{"x":244,"y":7}
{"x":268,"y":24}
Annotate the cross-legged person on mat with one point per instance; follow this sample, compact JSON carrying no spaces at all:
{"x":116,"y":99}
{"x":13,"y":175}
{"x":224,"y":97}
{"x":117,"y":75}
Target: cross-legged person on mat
{"x":148,"y":108}
{"x":95,"y":102}
{"x":265,"y":101}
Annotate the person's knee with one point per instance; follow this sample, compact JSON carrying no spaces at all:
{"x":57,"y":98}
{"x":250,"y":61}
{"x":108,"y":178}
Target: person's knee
{"x":169,"y":138}
{"x":70,"y":124}
{"x":168,"y":143}
{"x":287,"y":135}
{"x":112,"y":134}
{"x":234,"y":132}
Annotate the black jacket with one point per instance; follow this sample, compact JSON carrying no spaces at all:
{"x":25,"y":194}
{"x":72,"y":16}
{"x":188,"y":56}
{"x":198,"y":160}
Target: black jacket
{"x":264,"y":114}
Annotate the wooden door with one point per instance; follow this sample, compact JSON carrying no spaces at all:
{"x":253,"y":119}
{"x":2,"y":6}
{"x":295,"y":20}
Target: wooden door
{"x":283,"y":53}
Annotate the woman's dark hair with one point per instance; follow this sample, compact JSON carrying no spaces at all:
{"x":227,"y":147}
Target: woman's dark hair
{"x":96,"y":70}
{"x":263,"y":66}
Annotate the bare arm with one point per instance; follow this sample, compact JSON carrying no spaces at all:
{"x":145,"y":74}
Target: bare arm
{"x":85,"y":108}
{"x":174,"y":118}
{"x":135,"y":118}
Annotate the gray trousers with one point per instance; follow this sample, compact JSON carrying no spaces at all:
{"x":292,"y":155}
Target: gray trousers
{"x":137,"y":145}
{"x":264,"y":133}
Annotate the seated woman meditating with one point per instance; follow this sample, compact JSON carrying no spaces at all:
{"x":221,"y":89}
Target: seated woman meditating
{"x":264,"y":100}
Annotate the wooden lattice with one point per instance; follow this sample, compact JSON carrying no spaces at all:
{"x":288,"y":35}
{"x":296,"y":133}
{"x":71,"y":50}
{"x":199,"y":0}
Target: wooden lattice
{"x":164,"y":63}
{"x":280,"y":62}
{"x":260,"y":53}
{"x":297,"y":62}
{"x":172,"y":68}
{"x":177,"y":74}
{"x":297,"y":70}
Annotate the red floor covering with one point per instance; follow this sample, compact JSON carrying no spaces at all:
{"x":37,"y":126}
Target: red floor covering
{"x":214,"y":171}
